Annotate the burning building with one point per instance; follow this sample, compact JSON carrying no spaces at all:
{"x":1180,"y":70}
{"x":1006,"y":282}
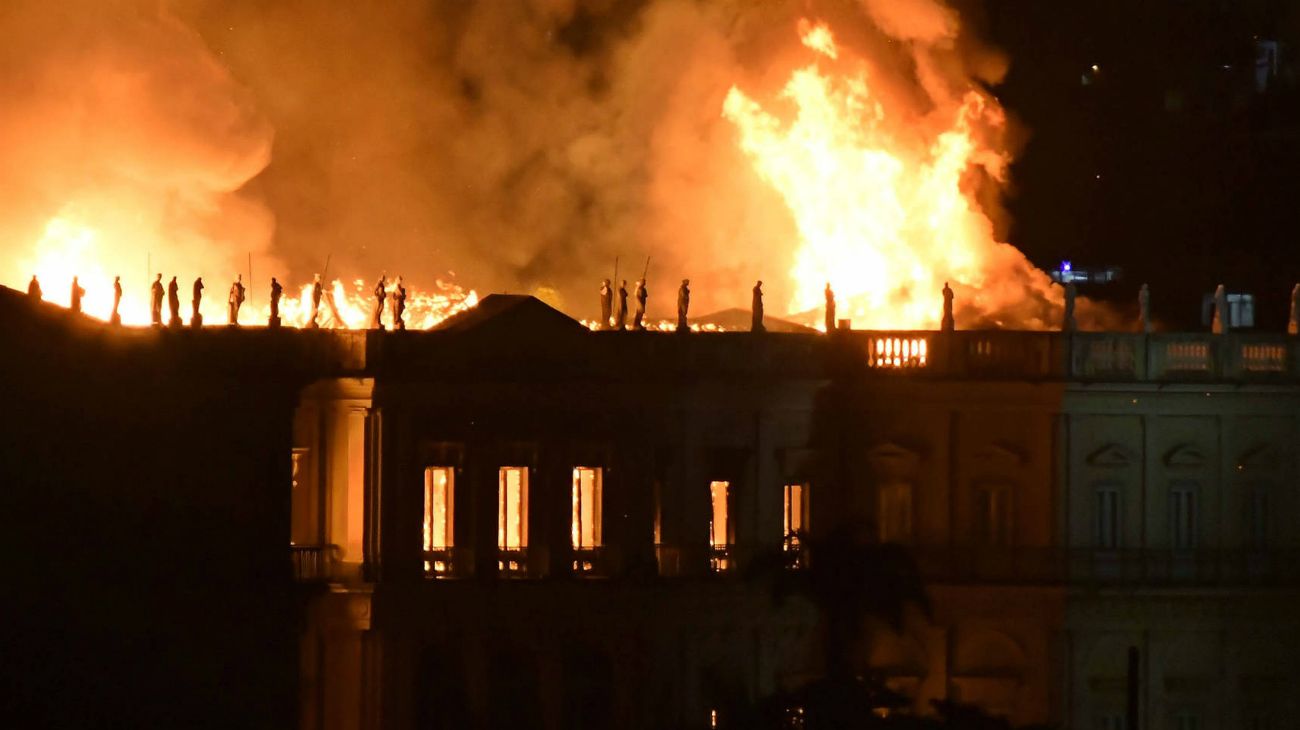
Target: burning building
{"x":501,"y":518}
{"x":513,"y":521}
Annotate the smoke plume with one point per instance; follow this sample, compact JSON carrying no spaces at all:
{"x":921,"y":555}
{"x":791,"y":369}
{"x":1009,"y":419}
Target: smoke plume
{"x":525,"y":146}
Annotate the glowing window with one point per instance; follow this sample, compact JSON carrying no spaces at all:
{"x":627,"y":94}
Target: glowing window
{"x":894,"y":512}
{"x":299,"y":464}
{"x":720,"y":525}
{"x":585,"y":526}
{"x":512,"y":518}
{"x":438,"y":538}
{"x":795,"y":514}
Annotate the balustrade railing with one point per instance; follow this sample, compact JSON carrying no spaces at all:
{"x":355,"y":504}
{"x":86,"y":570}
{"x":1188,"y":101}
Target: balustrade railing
{"x":1094,"y":567}
{"x":451,"y":562}
{"x":313,"y":563}
{"x":1082,"y":356}
{"x":596,"y":562}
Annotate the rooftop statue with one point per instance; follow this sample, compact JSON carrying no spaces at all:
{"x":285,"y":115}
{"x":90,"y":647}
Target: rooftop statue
{"x":1219,"y":325}
{"x":399,"y":305}
{"x":606,"y":303}
{"x":34,"y":289}
{"x":173,"y":303}
{"x":155,"y":301}
{"x":196,"y":317}
{"x":756,"y":309}
{"x":115,"y":317}
{"x":683,"y":306}
{"x":638,"y":319}
{"x":380,"y":295}
{"x":236,"y":299}
{"x":276,"y":292}
{"x":620,"y":314}
{"x":77,"y":293}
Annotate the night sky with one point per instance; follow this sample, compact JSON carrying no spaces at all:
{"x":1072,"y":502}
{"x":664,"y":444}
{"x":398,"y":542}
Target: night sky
{"x":1168,"y":162}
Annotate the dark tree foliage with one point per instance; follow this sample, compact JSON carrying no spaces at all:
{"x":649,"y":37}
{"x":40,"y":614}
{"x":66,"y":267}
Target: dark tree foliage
{"x":850,"y":578}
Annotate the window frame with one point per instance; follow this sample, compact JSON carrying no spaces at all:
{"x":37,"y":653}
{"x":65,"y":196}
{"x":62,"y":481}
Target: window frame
{"x":987,"y":533}
{"x":1183,"y":519}
{"x":512,"y":559}
{"x":586,"y":552}
{"x":1108,"y":522}
{"x":720,"y":551}
{"x":438,"y":559}
{"x":794,"y":520}
{"x":896,"y":499}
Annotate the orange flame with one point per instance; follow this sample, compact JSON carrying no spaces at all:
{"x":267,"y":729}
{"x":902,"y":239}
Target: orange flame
{"x":69,"y":248}
{"x":885,"y":222}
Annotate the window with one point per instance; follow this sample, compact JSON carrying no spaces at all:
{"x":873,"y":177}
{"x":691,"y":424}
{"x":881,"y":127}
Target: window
{"x":512,"y":518}
{"x":894,"y":512}
{"x":795,"y":512}
{"x":1257,"y":517}
{"x":585,"y":525}
{"x":299,"y":465}
{"x":993,"y":515}
{"x":1182,"y":516}
{"x":720,"y":526}
{"x":439,"y":490}
{"x":1107,"y":518}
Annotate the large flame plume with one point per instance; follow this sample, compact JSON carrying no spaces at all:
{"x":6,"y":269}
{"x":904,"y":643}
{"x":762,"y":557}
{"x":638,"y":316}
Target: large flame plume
{"x":884,"y":216}
{"x":127,"y":149}
{"x":527,"y":146}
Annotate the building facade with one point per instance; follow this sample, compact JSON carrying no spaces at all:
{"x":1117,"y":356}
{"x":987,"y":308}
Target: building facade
{"x":531,"y":524}
{"x":512,"y":521}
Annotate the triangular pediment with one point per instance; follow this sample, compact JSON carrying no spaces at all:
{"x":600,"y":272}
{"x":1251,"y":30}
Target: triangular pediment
{"x":511,"y":315}
{"x":1002,"y":453}
{"x":1111,"y":455}
{"x":1185,"y":455}
{"x":1260,"y":457}
{"x":891,"y":451}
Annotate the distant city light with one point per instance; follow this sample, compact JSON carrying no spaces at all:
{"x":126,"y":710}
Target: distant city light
{"x":1065,"y":266}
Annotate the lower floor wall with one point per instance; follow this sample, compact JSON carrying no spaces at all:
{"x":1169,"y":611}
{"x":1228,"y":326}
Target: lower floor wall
{"x":684,"y":654}
{"x":1206,"y":661}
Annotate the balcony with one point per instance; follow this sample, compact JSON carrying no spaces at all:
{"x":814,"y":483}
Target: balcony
{"x":596,"y":562}
{"x":1192,"y":357}
{"x":1185,"y":567}
{"x":313,"y":563}
{"x":449,"y":563}
{"x":793,"y":552}
{"x":1087,"y":567}
{"x":694,"y":560}
{"x":512,"y":563}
